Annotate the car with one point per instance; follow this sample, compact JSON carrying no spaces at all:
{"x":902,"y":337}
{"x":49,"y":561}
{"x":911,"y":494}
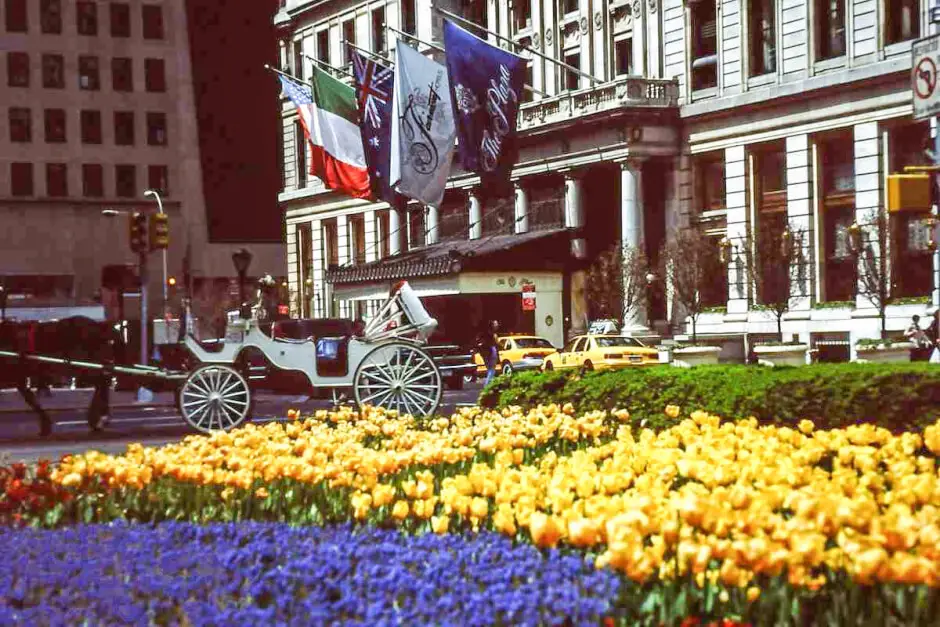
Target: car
{"x":600,"y":352}
{"x":517,"y":353}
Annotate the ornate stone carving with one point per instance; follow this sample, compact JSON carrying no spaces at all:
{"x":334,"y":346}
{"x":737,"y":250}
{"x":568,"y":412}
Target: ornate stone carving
{"x":548,"y":37}
{"x":637,"y":8}
{"x":536,"y":41}
{"x":652,"y":6}
{"x":598,"y":20}
{"x":584,"y":26}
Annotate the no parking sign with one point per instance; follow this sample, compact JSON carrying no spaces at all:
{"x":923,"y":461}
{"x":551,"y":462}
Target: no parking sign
{"x":528,"y":297}
{"x":926,"y":60}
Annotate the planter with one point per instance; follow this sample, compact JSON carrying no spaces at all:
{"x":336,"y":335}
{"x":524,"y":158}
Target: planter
{"x":896,"y":353}
{"x":695,"y":356}
{"x":782,"y":355}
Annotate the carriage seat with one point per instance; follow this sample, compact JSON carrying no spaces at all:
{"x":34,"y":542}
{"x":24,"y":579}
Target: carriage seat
{"x":291,"y":340}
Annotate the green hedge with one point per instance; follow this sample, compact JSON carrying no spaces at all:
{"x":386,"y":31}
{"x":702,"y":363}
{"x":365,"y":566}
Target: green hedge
{"x":896,"y":396}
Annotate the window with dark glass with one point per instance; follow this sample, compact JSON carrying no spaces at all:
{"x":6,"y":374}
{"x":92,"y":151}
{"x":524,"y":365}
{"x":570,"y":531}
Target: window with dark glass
{"x":709,"y":175}
{"x":349,"y":34}
{"x":837,"y":162}
{"x":122,"y":74}
{"x":762,"y":21}
{"x":21,"y":179}
{"x":715,"y":292}
{"x":53,"y":71}
{"x":55,"y":126}
{"x":300,"y":155}
{"x":21,"y":125}
{"x":304,"y":251}
{"x":623,"y":57}
{"x":378,"y":30}
{"x":125,"y":181}
{"x":92,"y":180}
{"x":91,"y":126}
{"x":408,"y":16}
{"x":902,"y":20}
{"x":572,"y":80}
{"x":357,"y":238}
{"x":475,"y":11}
{"x":88,"y":75}
{"x":120,"y":19}
{"x":527,"y":94}
{"x":911,"y":258}
{"x":16,"y":18}
{"x":153,"y":21}
{"x":50,"y":16}
{"x":18,"y":69}
{"x":416,"y":234}
{"x":155,"y":75}
{"x":156,"y":128}
{"x":323,"y":46}
{"x":299,"y":60}
{"x":57,"y":180}
{"x":770,"y":164}
{"x":569,"y":6}
{"x":124,"y":128}
{"x":704,"y":35}
{"x":158,"y":179}
{"x":86,"y":17}
{"x":330,"y":243}
{"x":521,"y":15}
{"x":830,"y":29}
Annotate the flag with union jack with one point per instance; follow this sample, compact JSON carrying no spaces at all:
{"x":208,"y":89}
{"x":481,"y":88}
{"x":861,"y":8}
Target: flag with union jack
{"x":374,"y":85}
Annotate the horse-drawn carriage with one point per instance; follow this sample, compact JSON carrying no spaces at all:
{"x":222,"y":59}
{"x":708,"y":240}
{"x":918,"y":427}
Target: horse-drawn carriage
{"x":383,"y":364}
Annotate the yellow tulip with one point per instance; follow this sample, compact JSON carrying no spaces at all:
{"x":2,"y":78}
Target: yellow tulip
{"x":400,"y":510}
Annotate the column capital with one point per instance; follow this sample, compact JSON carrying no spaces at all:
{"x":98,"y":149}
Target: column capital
{"x":631,"y":163}
{"x":572,"y":173}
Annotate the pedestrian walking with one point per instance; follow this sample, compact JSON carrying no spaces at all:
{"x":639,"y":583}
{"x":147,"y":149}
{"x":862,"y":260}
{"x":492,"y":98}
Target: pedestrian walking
{"x":918,"y":337}
{"x":933,"y":334}
{"x":486,"y":345}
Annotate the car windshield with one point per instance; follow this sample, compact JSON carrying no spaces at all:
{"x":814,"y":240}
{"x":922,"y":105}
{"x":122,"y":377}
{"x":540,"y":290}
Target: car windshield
{"x":533,"y":342}
{"x":618,"y":342}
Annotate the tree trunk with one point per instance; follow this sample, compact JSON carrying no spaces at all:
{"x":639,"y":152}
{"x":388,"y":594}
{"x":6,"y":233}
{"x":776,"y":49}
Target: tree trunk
{"x":780,"y":325}
{"x":884,"y":332}
{"x":693,"y":330}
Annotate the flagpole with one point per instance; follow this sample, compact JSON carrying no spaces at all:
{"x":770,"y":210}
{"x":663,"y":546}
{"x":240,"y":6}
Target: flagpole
{"x":327,"y":65}
{"x":368,"y":52}
{"x":284,"y":74}
{"x":572,"y":68}
{"x":528,"y":88}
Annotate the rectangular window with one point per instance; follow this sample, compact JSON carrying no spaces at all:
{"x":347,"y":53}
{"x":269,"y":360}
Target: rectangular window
{"x":572,"y":80}
{"x":299,"y":60}
{"x":408,"y":16}
{"x":21,"y":179}
{"x":120,"y":19}
{"x":911,"y":261}
{"x":357,"y":238}
{"x":18,"y":69}
{"x":53,"y":75}
{"x":91,"y":127}
{"x":709,"y":175}
{"x":88,"y":75}
{"x":704,"y":44}
{"x":86,"y":16}
{"x":124,"y":128}
{"x":715,"y":291}
{"x":381,"y":233}
{"x":156,"y":128}
{"x":771,"y":165}
{"x":55,"y":126}
{"x":323,"y":46}
{"x":837,"y":159}
{"x":349,"y":34}
{"x":158,"y":179}
{"x":330,"y":244}
{"x":416,"y":234}
{"x":569,"y":6}
{"x":623,"y":57}
{"x":476,"y":12}
{"x":521,"y":15}
{"x":17,"y":21}
{"x":122,"y":74}
{"x":763,"y":34}
{"x":378,"y":30}
{"x":304,"y":233}
{"x":21,"y":125}
{"x":902,"y":20}
{"x":153,"y":21}
{"x":300,"y":155}
{"x":125,"y":181}
{"x":57,"y":180}
{"x":830,"y":29}
{"x":92,"y":180}
{"x":50,"y":16}
{"x":527,"y":94}
{"x":155,"y":75}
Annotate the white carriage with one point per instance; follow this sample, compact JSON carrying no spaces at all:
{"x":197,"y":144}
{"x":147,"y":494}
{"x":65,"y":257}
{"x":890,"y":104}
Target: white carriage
{"x":385,"y":364}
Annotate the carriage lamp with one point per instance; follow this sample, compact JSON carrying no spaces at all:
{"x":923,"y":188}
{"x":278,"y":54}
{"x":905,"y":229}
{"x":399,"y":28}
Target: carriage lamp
{"x":785,"y":243}
{"x":724,"y":250}
{"x":932,"y":223}
{"x":855,"y":238}
{"x":650,"y":277}
{"x":242,"y":259}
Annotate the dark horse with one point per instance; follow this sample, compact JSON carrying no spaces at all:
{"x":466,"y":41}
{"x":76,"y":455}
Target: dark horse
{"x":77,"y":338}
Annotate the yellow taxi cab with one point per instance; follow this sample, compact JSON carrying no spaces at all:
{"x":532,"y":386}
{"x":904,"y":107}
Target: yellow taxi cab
{"x":599,"y":352}
{"x":517,"y":353}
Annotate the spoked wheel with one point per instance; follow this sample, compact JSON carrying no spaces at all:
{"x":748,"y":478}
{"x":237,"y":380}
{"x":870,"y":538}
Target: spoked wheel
{"x":215,"y":398}
{"x":399,"y":376}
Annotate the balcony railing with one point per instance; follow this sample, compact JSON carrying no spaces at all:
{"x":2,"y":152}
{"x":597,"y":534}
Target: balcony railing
{"x":623,"y":92}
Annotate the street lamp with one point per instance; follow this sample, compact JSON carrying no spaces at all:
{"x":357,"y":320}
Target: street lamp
{"x":242,"y":259}
{"x":156,"y":195}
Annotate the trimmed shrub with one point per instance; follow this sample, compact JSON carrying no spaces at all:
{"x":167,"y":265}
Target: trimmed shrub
{"x":896,"y":396}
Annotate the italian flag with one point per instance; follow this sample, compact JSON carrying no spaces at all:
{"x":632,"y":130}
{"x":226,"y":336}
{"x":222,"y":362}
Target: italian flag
{"x":332,"y":121}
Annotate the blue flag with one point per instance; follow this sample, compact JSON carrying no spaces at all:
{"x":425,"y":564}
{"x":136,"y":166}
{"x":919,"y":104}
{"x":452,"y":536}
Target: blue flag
{"x":374,"y":85}
{"x":486,"y":86}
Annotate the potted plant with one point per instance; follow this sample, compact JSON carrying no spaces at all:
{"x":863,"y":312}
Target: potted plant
{"x":782,"y":353}
{"x":870,"y":350}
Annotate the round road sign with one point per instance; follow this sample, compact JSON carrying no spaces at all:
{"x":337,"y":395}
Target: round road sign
{"x":925,"y":78}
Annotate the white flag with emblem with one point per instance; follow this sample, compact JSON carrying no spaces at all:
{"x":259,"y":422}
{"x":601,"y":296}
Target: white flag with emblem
{"x":423,"y":128}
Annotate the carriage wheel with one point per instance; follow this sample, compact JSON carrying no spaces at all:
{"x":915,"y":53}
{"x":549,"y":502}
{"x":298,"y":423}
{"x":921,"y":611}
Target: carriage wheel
{"x":399,"y":376}
{"x":215,"y":398}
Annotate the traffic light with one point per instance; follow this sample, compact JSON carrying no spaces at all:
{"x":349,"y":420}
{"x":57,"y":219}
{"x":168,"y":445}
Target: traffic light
{"x":159,"y":231}
{"x":138,"y":232}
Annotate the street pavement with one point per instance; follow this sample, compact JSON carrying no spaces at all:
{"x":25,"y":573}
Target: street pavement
{"x":153,"y":423}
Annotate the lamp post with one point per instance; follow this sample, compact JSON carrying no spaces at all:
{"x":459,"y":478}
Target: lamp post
{"x":156,"y":195}
{"x":3,"y":303}
{"x":242,"y":259}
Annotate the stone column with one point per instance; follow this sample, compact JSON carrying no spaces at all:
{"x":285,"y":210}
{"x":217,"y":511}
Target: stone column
{"x":653,"y":43}
{"x":737,"y":229}
{"x":632,"y":235}
{"x":433,"y":219}
{"x":867,"y":195}
{"x":372,"y":247}
{"x":574,"y":212}
{"x":316,"y":270}
{"x":394,"y":231}
{"x":476,"y":215}
{"x":639,"y":40}
{"x":521,"y":209}
{"x":342,"y":244}
{"x":800,"y":216}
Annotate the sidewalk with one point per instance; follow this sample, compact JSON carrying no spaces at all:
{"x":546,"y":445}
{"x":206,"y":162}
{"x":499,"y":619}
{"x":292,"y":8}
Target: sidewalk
{"x":64,"y":399}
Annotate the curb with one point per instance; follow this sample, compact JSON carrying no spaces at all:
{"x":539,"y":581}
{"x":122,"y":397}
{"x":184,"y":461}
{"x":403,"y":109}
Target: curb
{"x":28,"y":410}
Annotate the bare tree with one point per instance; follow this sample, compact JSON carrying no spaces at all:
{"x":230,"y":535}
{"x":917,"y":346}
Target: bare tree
{"x":769,"y":260}
{"x":617,"y":284}
{"x":869,"y":242}
{"x":690,"y":263}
